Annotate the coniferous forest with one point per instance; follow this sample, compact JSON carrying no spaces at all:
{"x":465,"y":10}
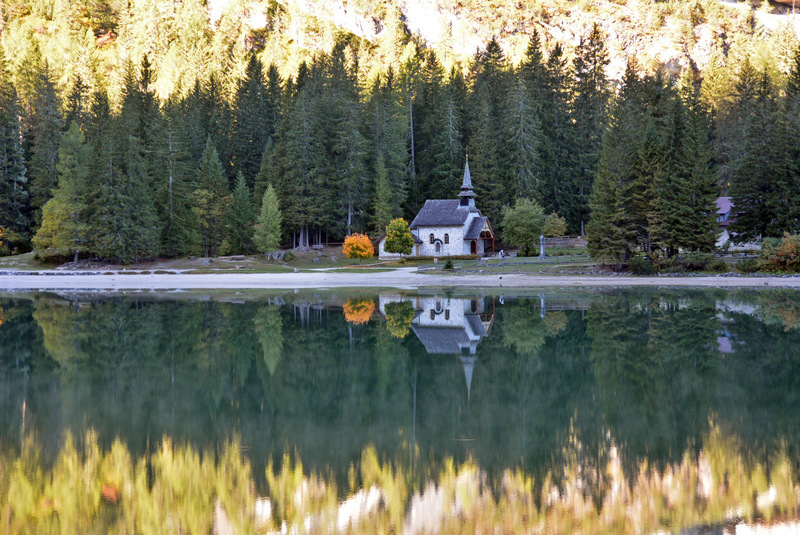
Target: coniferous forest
{"x":135,"y":129}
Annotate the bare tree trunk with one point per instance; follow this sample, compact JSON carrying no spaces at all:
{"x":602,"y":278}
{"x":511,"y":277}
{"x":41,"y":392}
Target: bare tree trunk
{"x":349,"y":216}
{"x":411,"y":129}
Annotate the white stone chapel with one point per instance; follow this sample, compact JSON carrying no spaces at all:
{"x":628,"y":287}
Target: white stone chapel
{"x":449,"y":227}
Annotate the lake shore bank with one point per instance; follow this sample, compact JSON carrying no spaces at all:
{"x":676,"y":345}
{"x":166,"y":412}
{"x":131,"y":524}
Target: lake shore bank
{"x":401,"y":278}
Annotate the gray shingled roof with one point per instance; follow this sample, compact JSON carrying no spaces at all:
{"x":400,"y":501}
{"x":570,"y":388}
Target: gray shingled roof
{"x":477,"y":325}
{"x":442,"y":340}
{"x":474,"y":231}
{"x":449,"y":340}
{"x":440,"y":213}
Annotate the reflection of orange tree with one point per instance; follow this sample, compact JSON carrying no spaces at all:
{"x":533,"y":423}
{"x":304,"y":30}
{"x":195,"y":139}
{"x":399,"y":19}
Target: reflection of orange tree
{"x":398,"y":318}
{"x":358,"y":311}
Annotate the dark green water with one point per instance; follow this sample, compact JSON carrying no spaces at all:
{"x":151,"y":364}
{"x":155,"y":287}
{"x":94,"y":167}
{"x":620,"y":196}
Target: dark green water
{"x":548,"y":383}
{"x":494,"y":377}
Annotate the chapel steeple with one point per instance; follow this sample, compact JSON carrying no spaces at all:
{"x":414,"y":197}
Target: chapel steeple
{"x":467,"y":195}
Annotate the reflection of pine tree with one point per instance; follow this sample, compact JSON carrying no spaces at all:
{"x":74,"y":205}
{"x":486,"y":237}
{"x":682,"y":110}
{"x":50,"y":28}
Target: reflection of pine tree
{"x":524,"y":329}
{"x":268,"y":326}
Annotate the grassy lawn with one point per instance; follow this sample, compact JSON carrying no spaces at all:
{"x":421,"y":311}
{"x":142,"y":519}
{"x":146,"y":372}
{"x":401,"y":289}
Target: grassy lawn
{"x":22,"y":262}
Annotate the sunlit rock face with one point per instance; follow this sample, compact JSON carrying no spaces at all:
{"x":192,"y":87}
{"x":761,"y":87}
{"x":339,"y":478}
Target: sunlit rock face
{"x":675,"y":36}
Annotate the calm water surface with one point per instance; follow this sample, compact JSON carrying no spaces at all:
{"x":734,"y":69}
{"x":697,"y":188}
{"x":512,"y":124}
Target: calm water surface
{"x":608,"y":411}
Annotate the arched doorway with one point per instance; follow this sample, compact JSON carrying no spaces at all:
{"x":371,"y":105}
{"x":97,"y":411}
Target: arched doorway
{"x":473,"y":247}
{"x":438,"y":247}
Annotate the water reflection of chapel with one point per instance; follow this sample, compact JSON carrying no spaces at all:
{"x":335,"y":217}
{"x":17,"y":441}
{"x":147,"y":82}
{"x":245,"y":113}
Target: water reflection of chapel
{"x":450,"y":326}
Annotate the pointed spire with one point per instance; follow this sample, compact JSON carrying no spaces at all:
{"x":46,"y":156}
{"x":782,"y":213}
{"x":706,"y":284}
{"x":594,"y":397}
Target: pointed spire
{"x":467,"y":183}
{"x":467,"y":195}
{"x":468,"y":361}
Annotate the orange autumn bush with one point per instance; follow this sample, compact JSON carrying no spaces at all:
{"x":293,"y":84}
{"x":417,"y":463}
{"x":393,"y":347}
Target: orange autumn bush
{"x":358,"y":246}
{"x":358,"y":311}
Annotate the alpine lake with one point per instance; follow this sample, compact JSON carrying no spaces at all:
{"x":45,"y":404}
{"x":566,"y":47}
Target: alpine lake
{"x":597,"y":411}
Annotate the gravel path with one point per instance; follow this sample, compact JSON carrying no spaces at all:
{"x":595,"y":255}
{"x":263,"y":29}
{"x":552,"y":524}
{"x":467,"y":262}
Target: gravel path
{"x":399,"y":278}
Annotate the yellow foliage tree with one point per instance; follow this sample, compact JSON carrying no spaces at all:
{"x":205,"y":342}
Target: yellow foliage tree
{"x":398,"y":237}
{"x":358,"y":246}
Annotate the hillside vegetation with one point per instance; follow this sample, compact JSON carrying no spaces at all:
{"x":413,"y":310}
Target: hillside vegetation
{"x":138,"y":128}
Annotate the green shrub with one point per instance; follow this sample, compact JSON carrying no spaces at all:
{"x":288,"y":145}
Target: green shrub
{"x":528,"y":251}
{"x":718,"y":265}
{"x":747,"y":265}
{"x":641,"y":264}
{"x":448,"y":264}
{"x":696,"y":261}
{"x":289,"y":256}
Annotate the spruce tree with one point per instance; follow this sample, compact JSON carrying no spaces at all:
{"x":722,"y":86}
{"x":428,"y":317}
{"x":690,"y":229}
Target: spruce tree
{"x":348,"y":149}
{"x":588,"y":113}
{"x":43,"y":174}
{"x":558,"y":185}
{"x":688,"y":189}
{"x":382,"y":200}
{"x":756,"y":162}
{"x":268,"y":225}
{"x":300,"y":163}
{"x":211,"y":201}
{"x":446,"y":139}
{"x":524,"y":138}
{"x":265,"y":171}
{"x":174,"y":179}
{"x":241,"y":218}
{"x":610,"y":229}
{"x":13,"y":179}
{"x":77,"y":102}
{"x":64,"y":225}
{"x":786,"y":196}
{"x":253,"y":122}
{"x":487,"y":145}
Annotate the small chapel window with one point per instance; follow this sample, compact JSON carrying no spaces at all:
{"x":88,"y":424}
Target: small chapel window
{"x":431,"y":237}
{"x":446,"y":239}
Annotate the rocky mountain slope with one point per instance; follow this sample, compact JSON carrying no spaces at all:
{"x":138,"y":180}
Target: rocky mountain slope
{"x":674,"y":33}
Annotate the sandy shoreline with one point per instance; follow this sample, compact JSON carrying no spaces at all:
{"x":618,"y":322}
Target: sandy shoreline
{"x":403,"y":278}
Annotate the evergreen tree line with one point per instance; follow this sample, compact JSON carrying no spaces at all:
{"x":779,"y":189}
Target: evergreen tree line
{"x":668,"y":153}
{"x":188,"y":175}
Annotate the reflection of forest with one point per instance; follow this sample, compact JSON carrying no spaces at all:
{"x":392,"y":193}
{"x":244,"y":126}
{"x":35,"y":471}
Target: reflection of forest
{"x":645,"y":368}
